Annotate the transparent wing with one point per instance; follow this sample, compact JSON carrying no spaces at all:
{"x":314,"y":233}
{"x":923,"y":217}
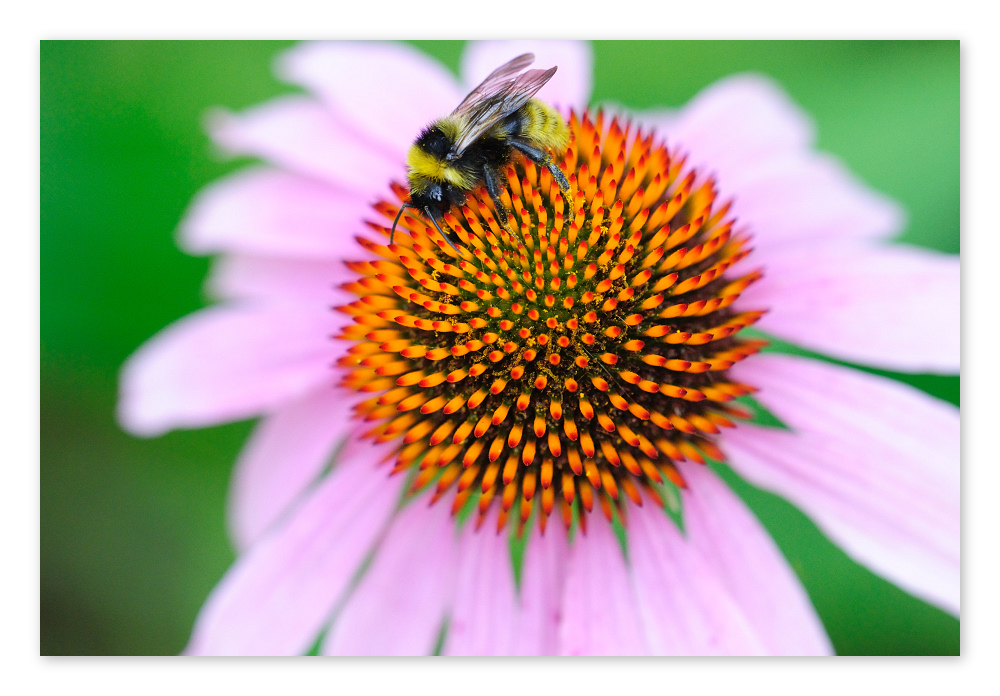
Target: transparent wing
{"x":504,"y":97}
{"x":496,"y":79}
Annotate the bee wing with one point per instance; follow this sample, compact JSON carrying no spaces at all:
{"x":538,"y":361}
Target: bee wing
{"x":501,"y":98}
{"x":496,"y":79}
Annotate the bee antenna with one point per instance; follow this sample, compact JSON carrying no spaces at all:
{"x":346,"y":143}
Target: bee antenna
{"x":393,"y":230}
{"x":427,"y":212}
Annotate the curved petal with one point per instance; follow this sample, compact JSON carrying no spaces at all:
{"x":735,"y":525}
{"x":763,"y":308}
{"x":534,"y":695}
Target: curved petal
{"x":543,"y":579}
{"x":569,"y":87}
{"x":747,"y":133}
{"x":684,"y":605}
{"x":720,"y":527}
{"x":286,"y":453}
{"x":600,"y":613}
{"x":243,"y":277}
{"x":276,"y":599}
{"x":808,"y":198}
{"x":227,"y":363}
{"x":271,"y":212}
{"x":299,"y":134}
{"x":400,"y":603}
{"x":891,"y":306}
{"x":874,"y":462}
{"x":738,"y":124}
{"x":484,"y":615}
{"x":387,"y":91}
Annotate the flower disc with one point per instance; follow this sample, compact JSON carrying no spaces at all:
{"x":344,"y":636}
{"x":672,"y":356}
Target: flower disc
{"x":570,"y":359}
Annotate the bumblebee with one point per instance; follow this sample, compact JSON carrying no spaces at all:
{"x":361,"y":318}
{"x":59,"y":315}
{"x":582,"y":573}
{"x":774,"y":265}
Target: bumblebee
{"x":497,"y":120}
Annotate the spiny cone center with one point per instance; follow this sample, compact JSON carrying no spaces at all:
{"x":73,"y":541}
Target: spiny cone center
{"x":572,"y":359}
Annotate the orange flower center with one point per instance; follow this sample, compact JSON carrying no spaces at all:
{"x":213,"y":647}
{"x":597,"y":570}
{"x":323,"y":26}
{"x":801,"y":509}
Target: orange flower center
{"x":573,"y":358}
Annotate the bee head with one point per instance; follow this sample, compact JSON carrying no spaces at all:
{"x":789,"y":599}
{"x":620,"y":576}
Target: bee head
{"x":435,"y":192}
{"x":437,"y":195}
{"x":435,"y":171}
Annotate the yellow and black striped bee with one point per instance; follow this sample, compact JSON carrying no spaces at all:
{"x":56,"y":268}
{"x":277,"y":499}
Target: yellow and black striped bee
{"x":498,"y":119}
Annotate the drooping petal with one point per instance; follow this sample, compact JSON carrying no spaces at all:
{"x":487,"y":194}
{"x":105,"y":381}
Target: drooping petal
{"x":746,"y":132}
{"x":239,"y":277}
{"x":569,"y":87}
{"x":720,"y":528}
{"x":600,"y":613}
{"x":388,"y":91}
{"x":685,"y":607}
{"x":484,"y":614}
{"x":278,"y":213}
{"x":299,"y":134}
{"x":875,"y":463}
{"x":227,"y":363}
{"x":277,"y":598}
{"x":891,"y":306}
{"x":543,"y":580}
{"x":287,"y":452}
{"x":399,"y":606}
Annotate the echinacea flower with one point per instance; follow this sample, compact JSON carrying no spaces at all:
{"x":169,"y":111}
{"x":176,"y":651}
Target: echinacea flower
{"x":564,"y":380}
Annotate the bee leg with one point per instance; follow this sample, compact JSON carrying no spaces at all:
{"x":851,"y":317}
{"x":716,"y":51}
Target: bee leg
{"x":430,"y":216}
{"x":542,"y":159}
{"x":493,"y":188}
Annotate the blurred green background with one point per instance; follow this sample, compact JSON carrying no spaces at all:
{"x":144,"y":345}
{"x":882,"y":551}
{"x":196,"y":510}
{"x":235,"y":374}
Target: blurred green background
{"x":132,"y":531}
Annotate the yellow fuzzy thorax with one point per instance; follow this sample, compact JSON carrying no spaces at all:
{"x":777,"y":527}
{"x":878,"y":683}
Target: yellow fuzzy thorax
{"x":425,"y":167}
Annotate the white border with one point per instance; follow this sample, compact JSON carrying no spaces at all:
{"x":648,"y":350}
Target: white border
{"x":26,"y":23}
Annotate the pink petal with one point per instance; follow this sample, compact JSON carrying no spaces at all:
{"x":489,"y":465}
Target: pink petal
{"x":299,"y":134}
{"x":387,"y":91}
{"x":269,"y":278}
{"x":874,"y":462}
{"x":685,"y":607}
{"x":485,"y":613}
{"x":287,"y":452}
{"x":809,"y":198}
{"x":747,"y":133}
{"x":754,"y":573}
{"x":739,"y":123}
{"x":276,"y":599}
{"x":569,"y":87}
{"x":543,"y":579}
{"x":227,"y":363}
{"x":271,"y":212}
{"x":661,"y":121}
{"x":891,"y":306}
{"x":400,"y":604}
{"x":600,"y":613}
